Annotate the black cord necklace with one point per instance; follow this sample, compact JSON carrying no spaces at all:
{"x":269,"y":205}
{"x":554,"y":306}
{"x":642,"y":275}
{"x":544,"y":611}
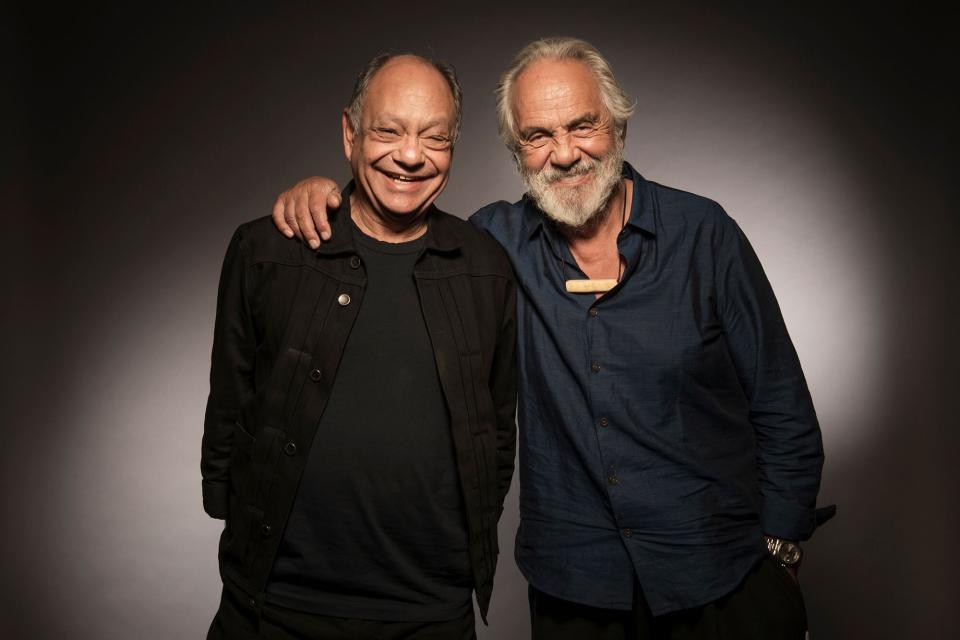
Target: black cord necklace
{"x":591,"y":285}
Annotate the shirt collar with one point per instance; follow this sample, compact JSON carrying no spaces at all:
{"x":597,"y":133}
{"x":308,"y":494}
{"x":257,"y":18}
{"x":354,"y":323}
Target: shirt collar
{"x":641,"y":207}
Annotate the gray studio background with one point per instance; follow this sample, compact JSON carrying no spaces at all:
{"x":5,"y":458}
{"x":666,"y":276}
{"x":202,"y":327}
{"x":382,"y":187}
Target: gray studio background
{"x":137,"y":140}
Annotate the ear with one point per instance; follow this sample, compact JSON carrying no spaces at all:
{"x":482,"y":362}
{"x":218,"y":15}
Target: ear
{"x":348,"y":135}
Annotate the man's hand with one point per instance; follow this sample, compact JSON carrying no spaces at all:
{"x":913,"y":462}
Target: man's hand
{"x":302,"y":209}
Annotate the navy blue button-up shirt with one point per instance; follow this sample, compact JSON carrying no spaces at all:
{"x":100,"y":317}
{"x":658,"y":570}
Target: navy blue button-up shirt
{"x":664,"y":427}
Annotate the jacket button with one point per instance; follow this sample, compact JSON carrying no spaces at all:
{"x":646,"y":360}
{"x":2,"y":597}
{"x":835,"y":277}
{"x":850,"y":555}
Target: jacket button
{"x":315,"y":375}
{"x":604,"y":422}
{"x":594,"y":312}
{"x":290,"y":448}
{"x":612,"y":479}
{"x":595,"y":367}
{"x":354,"y":262}
{"x":627,"y":532}
{"x":343,"y":299}
{"x":265,"y":530}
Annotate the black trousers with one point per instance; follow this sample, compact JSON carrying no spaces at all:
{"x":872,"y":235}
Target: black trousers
{"x":768,"y":605}
{"x":236,"y":621}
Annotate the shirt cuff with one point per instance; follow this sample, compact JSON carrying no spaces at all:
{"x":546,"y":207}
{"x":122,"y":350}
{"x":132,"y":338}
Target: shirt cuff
{"x":787,"y":519}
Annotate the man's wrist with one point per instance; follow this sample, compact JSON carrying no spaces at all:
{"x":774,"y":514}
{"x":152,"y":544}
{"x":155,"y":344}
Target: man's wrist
{"x":786,"y":552}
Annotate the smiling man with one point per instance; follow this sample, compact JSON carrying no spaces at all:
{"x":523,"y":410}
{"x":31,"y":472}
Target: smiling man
{"x":670,"y":454}
{"x":360,"y":435}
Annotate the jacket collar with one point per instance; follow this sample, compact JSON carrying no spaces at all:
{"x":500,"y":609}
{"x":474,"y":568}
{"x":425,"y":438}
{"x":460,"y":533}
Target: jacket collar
{"x":441,"y":234}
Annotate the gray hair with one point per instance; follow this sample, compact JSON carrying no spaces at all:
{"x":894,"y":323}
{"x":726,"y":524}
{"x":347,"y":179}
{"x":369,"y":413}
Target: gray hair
{"x":355,"y":107}
{"x":615,"y":99}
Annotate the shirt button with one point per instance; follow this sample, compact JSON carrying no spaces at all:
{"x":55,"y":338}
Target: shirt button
{"x":595,"y":367}
{"x":265,"y":530}
{"x":290,"y":448}
{"x":604,"y":422}
{"x":315,"y":375}
{"x":354,"y":262}
{"x":343,"y":299}
{"x":627,"y":532}
{"x":594,"y":312}
{"x":612,"y":479}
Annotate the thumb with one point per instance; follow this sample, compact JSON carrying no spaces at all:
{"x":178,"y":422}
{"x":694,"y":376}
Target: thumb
{"x":333,"y":200}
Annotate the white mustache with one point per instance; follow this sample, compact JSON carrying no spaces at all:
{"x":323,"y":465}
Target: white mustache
{"x":556,"y":175}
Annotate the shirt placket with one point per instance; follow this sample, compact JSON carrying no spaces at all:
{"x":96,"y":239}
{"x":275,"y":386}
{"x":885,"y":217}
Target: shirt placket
{"x":602,"y":400}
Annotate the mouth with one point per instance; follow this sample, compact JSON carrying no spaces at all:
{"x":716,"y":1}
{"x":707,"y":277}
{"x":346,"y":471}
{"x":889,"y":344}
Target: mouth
{"x":400,"y":178}
{"x":573,"y":180}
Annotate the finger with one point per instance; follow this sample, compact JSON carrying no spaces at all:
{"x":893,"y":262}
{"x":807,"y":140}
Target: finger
{"x":309,"y":230}
{"x":305,"y":201}
{"x":320,"y":213}
{"x":279,"y":220}
{"x":323,"y":222}
{"x":333,"y":199}
{"x":305,"y":223}
{"x":290,"y":215}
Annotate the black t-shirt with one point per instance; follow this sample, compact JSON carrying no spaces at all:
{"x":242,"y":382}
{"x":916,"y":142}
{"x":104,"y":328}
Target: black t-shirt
{"x":377,"y":529}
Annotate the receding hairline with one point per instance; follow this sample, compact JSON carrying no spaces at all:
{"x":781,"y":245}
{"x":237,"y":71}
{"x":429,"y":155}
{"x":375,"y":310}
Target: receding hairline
{"x":563,"y":62}
{"x":368,"y":75}
{"x":418,"y":61}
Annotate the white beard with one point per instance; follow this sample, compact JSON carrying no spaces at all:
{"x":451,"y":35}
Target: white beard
{"x":576,"y":207}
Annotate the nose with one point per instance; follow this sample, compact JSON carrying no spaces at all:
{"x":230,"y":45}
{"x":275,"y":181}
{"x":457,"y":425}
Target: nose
{"x":409,"y":153}
{"x":565,"y":151}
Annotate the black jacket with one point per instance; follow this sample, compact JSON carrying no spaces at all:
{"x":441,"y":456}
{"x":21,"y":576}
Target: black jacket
{"x":283,"y":316}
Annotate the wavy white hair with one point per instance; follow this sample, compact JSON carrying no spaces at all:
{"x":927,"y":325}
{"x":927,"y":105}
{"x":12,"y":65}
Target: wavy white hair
{"x":615,"y":99}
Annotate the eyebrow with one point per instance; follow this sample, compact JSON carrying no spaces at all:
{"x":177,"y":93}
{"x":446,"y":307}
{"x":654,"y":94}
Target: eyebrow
{"x":588,"y":118}
{"x":388,"y":119}
{"x":591,"y":117}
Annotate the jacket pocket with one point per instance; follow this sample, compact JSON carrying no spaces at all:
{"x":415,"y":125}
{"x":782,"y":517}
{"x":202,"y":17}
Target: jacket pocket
{"x":239,"y":539}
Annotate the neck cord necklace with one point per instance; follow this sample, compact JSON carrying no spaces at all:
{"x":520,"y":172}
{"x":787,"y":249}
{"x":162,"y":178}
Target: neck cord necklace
{"x":601,"y":285}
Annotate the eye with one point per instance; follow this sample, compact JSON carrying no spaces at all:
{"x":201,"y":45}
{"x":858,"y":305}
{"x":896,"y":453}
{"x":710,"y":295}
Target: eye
{"x":436,"y":142}
{"x":386,"y":132}
{"x":537,"y":139}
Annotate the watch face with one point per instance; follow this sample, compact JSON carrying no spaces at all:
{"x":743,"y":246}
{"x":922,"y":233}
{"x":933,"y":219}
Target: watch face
{"x":789,"y":553}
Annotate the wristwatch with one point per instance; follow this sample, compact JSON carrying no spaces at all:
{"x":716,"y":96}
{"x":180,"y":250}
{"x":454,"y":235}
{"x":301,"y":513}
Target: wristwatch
{"x":786,"y":552}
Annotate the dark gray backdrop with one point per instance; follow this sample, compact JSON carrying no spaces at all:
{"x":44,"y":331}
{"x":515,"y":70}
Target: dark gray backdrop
{"x":136,"y":140}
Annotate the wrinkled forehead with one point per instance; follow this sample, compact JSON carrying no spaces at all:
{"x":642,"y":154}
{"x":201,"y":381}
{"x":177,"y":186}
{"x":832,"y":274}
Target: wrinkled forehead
{"x":411,"y":89}
{"x":551,"y":85}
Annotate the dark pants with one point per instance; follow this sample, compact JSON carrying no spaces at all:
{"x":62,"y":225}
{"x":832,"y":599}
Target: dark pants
{"x":767,"y":605}
{"x":236,"y":621}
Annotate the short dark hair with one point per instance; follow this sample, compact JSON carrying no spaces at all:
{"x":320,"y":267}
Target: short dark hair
{"x":377,"y":62}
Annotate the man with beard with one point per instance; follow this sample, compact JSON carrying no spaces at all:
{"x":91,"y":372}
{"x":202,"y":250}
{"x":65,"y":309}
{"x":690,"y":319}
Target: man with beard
{"x":670,"y":454}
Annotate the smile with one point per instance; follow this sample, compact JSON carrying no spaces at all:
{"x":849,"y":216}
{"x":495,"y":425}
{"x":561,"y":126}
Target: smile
{"x":403,"y":179}
{"x":573,"y":181}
